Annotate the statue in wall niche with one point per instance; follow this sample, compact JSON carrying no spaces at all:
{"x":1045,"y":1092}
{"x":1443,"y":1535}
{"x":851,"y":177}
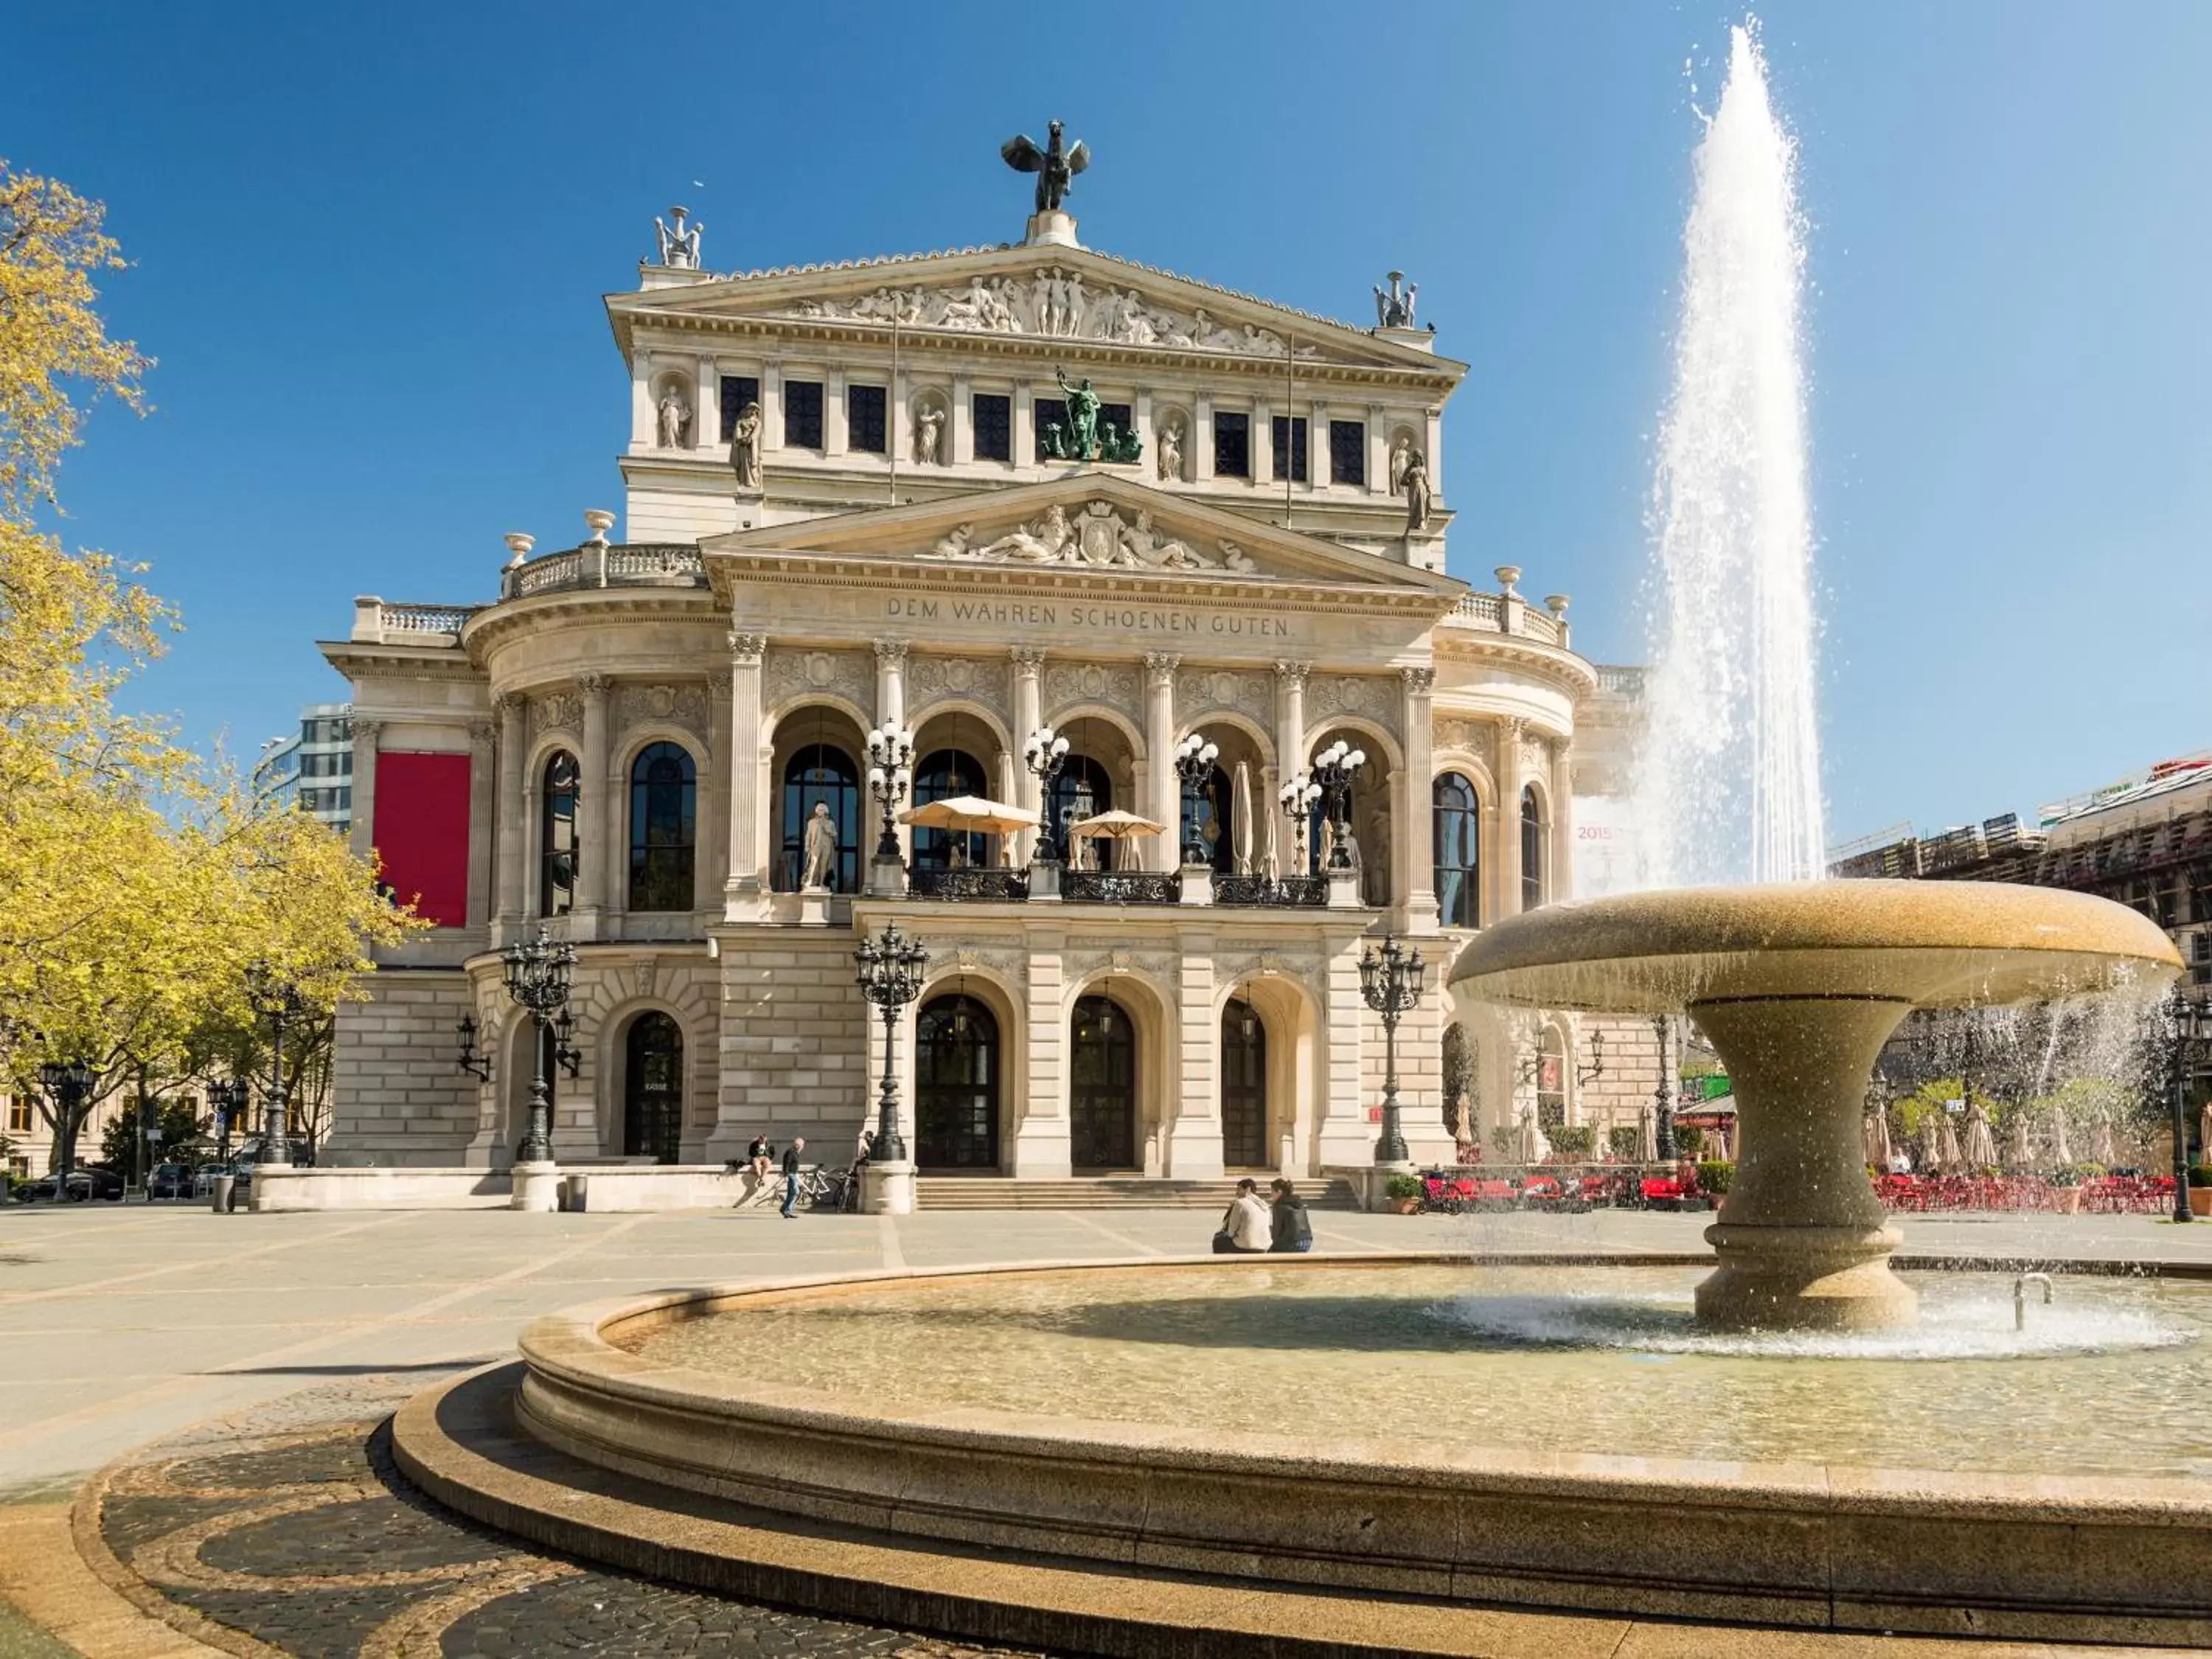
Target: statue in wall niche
{"x":1415,"y":483}
{"x":675,"y":419}
{"x":1082,"y":417}
{"x":928,"y":435}
{"x":821,"y":866}
{"x":745,"y":448}
{"x":1054,"y":166}
{"x":679,"y":246}
{"x":1400,"y":452}
{"x":1170,"y":451}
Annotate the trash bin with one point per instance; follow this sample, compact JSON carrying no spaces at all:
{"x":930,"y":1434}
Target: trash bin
{"x":576,"y":1194}
{"x":226,"y":1194}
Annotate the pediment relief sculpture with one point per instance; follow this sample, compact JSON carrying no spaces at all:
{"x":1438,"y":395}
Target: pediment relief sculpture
{"x":1098,"y":533}
{"x":1054,"y":303}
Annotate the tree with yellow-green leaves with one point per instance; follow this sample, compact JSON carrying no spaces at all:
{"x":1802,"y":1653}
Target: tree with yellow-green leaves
{"x":138,"y":881}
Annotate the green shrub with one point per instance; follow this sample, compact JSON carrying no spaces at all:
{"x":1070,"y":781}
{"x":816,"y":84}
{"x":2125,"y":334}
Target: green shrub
{"x":1622,"y":1140}
{"x":1403,"y":1186}
{"x":2200,"y":1175}
{"x":1573,"y":1140}
{"x":1688,"y":1143}
{"x":1713,"y":1176}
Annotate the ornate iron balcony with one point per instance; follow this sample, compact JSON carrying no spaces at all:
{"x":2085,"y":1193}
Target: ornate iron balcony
{"x":1002,"y":886}
{"x":1121,"y":886}
{"x":1287,"y":892}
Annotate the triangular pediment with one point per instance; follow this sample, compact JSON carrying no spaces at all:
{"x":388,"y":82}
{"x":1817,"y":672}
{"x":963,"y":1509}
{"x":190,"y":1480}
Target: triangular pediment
{"x":1051,"y":295}
{"x":1095,"y":522}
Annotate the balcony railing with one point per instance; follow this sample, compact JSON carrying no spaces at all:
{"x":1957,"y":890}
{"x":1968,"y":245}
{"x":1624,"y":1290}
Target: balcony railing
{"x":1121,"y":886}
{"x":1493,"y":613}
{"x":1003,"y":886}
{"x":607,"y":564}
{"x":1286,"y":892}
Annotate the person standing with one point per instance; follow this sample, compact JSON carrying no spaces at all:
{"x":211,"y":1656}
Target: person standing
{"x":1246,"y":1229}
{"x":1292,"y":1232}
{"x":791,"y":1174}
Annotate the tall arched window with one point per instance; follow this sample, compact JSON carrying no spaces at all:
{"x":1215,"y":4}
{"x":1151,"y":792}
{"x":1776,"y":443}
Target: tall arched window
{"x":955,"y":1084}
{"x":1458,"y":852}
{"x":1083,"y":790}
{"x":652,"y":1088}
{"x":1532,"y":850}
{"x":556,"y":837}
{"x":943,"y":774}
{"x":664,"y":812}
{"x":820,"y":774}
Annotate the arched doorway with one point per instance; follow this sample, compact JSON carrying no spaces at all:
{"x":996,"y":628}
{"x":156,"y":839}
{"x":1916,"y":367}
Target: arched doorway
{"x":1102,"y":1100}
{"x":955,"y":1086}
{"x":1243,"y":1087}
{"x":652,"y":1089}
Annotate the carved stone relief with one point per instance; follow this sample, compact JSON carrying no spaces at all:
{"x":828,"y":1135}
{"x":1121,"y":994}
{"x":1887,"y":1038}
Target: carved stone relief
{"x":1098,"y":533}
{"x":1079,"y":965}
{"x":556,"y":711}
{"x":931,"y":679}
{"x":683,"y":705}
{"x":1467,"y":736}
{"x":789,"y":673}
{"x":1369,"y":696}
{"x":1201,"y":690}
{"x":1055,"y":303}
{"x":953,"y":956}
{"x":1066,"y":684}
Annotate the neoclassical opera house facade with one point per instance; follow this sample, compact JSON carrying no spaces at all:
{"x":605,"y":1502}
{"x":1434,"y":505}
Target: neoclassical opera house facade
{"x":844,"y":508}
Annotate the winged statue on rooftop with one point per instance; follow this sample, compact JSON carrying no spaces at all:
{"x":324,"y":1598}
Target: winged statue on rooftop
{"x":1055,"y":167}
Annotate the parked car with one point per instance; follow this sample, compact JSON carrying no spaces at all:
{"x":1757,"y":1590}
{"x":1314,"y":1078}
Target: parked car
{"x":83,"y":1186}
{"x":169,"y":1181}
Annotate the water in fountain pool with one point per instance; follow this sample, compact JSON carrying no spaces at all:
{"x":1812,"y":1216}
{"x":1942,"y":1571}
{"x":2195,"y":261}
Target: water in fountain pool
{"x":1582,"y":1360}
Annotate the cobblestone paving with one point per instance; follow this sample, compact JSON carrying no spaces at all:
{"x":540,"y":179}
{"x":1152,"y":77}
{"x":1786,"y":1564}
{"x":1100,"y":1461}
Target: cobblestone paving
{"x":288,"y":1525}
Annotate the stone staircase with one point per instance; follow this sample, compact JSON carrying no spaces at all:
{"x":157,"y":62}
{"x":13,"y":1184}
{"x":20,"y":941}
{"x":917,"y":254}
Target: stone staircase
{"x":934,"y":1193}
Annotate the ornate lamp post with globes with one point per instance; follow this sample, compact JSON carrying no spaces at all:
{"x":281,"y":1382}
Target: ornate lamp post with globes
{"x":892,"y":967}
{"x":1333,"y":769}
{"x":1193,"y":764}
{"x":1045,"y":755}
{"x":1391,"y":981}
{"x":277,"y":1001}
{"x":891,"y":754}
{"x":1296,"y":798}
{"x":537,"y":973}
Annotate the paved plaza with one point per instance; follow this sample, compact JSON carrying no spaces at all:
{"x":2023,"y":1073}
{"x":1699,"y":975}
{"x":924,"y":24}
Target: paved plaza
{"x":229,"y":1374}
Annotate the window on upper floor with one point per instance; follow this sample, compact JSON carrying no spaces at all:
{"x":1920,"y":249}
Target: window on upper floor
{"x":1291,"y":436}
{"x":994,"y":427}
{"x":558,"y":843}
{"x":1232,"y":445}
{"x":738,"y":390}
{"x":1120,"y":416}
{"x":1348,"y":452}
{"x":18,"y":1114}
{"x":663,"y":827}
{"x":1532,"y":850}
{"x":1049,"y":413}
{"x":802,"y":414}
{"x":864,"y":429}
{"x":1458,"y":868}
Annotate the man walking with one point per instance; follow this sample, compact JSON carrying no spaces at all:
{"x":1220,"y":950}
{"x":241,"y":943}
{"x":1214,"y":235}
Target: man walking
{"x":791,"y":1174}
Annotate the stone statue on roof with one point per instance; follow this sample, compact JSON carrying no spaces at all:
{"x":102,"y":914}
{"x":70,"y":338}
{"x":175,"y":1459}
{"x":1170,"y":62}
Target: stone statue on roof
{"x":1055,"y":167}
{"x":1395,"y":308}
{"x":679,"y":244}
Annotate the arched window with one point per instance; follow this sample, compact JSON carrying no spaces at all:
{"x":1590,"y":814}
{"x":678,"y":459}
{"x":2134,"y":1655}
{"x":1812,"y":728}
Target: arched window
{"x":955,"y":1084}
{"x":1532,"y":850}
{"x":1458,"y":852}
{"x":652,"y":1089}
{"x":1083,"y":790}
{"x":556,"y":837}
{"x":820,"y":774}
{"x":664,"y":812}
{"x":943,"y":774}
{"x":1102,"y":1123}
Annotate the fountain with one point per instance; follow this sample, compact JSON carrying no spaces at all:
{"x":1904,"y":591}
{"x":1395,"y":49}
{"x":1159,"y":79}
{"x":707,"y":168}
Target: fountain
{"x":1798,"y":987}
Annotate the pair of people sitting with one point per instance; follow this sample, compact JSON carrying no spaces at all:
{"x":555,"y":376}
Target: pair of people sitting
{"x":1253,"y":1226}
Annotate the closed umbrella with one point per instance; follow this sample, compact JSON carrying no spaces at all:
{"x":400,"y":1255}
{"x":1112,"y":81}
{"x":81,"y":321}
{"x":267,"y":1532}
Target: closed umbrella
{"x":1876,"y":1136}
{"x":2102,"y":1150}
{"x":1240,"y":815}
{"x":1981,"y":1139}
{"x":1717,"y":1143}
{"x":1529,"y":1144}
{"x":2019,"y":1150}
{"x":2062,"y":1150}
{"x":1647,"y":1137}
{"x":1931,"y":1142}
{"x":2204,"y":1134}
{"x":1947,"y":1148}
{"x":1271,"y":861}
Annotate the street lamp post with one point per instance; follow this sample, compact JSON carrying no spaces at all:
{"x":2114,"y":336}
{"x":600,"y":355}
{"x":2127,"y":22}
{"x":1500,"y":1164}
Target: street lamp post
{"x":66,"y":1083}
{"x":891,"y":752}
{"x":1194,"y":763}
{"x":2188,"y":1022}
{"x":1662,"y":1101}
{"x":537,"y":972}
{"x":1296,"y":798}
{"x":1391,"y":981}
{"x":277,"y":1001}
{"x":1333,"y":769}
{"x":226,"y":1097}
{"x":1045,"y":755}
{"x":892,"y":967}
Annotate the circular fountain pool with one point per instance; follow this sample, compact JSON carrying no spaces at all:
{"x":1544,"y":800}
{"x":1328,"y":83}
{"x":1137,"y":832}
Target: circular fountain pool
{"x":1609,"y":1360}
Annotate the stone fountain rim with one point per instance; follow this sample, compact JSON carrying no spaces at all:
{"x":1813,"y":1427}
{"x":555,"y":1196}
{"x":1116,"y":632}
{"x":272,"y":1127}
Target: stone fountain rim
{"x":1883,"y":923}
{"x":571,"y":1351}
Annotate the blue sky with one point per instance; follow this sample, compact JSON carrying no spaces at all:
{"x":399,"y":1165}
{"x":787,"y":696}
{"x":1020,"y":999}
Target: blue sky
{"x":370,"y":241}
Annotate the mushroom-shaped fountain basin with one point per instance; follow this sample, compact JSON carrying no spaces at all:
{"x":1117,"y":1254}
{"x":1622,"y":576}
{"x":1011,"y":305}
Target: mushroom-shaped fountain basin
{"x":1797,"y":987}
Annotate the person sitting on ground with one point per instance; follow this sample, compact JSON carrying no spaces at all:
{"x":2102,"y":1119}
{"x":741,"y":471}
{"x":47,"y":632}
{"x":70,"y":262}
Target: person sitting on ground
{"x":1292,"y":1232}
{"x":1246,"y":1229}
{"x":791,"y":1174}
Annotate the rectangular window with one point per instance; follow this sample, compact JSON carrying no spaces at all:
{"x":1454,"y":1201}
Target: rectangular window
{"x":1348,"y":452}
{"x":1049,"y":412}
{"x":1291,"y":436}
{"x":18,"y":1114}
{"x":1120,"y":416}
{"x":864,"y":420}
{"x":1232,"y":445}
{"x":994,"y":427}
{"x":738,"y":390}
{"x":802,"y":414}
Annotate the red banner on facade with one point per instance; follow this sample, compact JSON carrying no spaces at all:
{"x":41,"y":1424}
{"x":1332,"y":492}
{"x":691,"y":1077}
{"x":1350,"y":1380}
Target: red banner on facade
{"x":421,"y":831}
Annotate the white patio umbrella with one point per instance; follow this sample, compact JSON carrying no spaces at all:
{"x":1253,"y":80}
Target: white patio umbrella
{"x":1115,"y":825}
{"x":1981,"y":1138}
{"x":1240,"y":815}
{"x":2062,"y":1150}
{"x":2102,"y":1150}
{"x":1647,"y":1136}
{"x":971,"y":812}
{"x":2020,"y":1149}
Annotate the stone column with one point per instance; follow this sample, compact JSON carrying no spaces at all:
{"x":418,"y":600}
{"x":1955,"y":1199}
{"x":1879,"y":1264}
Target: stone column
{"x":1343,"y":1136}
{"x":1028,"y":658}
{"x":960,"y":422}
{"x":1193,"y":1114}
{"x":531,"y":897}
{"x":1023,"y":441}
{"x":361,"y":838}
{"x":1509,"y":819}
{"x":1289,"y":752}
{"x":711,"y":869}
{"x":1162,"y":801}
{"x":1262,"y":469}
{"x":742,"y":886}
{"x":595,"y":857}
{"x":1201,"y":439}
{"x":1562,"y":885}
{"x":834,"y":431}
{"x":707,"y":419}
{"x":1316,"y":445}
{"x":1416,"y":848}
{"x":771,"y":407}
{"x":1378,"y":451}
{"x":483,"y":818}
{"x":644,"y":418}
{"x":512,"y":813}
{"x":1041,"y":1142}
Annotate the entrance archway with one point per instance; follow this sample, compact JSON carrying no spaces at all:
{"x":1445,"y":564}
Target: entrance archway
{"x":1102,"y":1100}
{"x":652,"y":1089}
{"x":955,"y":1086}
{"x":1243,"y":1087}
